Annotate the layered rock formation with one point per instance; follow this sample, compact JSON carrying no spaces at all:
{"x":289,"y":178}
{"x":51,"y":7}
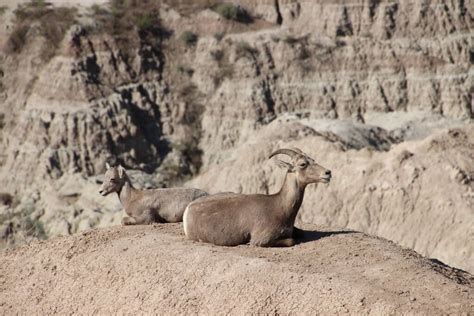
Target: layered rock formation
{"x":346,"y":82}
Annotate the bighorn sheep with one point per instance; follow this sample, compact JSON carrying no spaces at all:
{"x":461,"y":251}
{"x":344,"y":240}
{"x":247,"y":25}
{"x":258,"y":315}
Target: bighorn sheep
{"x":263,"y":220}
{"x":147,"y":206}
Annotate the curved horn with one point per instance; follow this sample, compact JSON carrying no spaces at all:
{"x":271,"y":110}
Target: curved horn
{"x":285,"y":151}
{"x":298,"y":150}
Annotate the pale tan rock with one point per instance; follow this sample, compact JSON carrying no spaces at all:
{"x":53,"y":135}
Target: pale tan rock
{"x":156,"y":270}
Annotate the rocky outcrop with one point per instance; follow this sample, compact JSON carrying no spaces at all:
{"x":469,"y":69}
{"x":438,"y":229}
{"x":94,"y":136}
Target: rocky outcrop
{"x":156,"y":270}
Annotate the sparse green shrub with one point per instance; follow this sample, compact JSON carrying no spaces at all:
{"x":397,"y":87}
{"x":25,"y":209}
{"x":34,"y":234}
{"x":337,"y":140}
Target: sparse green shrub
{"x":291,"y":40}
{"x":233,"y":12}
{"x":188,"y":91}
{"x":219,"y":36}
{"x":189,"y":38}
{"x":39,"y":3}
{"x":275,"y":38}
{"x":217,"y":54}
{"x":144,"y":22}
{"x":303,"y":53}
{"x":185,"y":70}
{"x":3,"y":9}
{"x":340,"y":43}
{"x":243,"y":49}
{"x":33,"y":228}
{"x":17,"y":39}
{"x":224,"y":71}
{"x":98,"y":10}
{"x":227,"y":10}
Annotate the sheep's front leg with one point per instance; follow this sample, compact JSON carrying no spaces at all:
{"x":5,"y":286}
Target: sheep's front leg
{"x":146,"y":218}
{"x":287,"y":242}
{"x":128,"y":221}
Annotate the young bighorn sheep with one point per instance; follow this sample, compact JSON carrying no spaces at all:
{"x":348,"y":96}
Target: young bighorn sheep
{"x":263,"y":220}
{"x":147,"y":206}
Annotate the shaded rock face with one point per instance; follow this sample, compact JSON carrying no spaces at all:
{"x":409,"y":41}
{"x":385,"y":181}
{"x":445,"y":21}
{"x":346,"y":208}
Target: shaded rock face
{"x":360,"y":78}
{"x":85,"y":109}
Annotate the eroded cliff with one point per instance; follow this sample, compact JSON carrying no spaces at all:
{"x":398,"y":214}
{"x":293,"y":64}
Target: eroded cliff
{"x":185,"y":90}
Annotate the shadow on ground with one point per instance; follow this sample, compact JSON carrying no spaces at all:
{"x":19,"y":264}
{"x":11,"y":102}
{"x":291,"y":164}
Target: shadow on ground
{"x":303,"y":235}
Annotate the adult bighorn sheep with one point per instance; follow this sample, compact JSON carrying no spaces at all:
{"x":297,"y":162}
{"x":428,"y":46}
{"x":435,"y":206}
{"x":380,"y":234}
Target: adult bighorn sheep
{"x":147,"y":206}
{"x":263,"y":220}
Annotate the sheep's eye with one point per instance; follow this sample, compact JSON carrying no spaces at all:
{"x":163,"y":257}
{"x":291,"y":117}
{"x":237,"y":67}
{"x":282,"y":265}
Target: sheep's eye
{"x":302,"y":165}
{"x":114,"y":180}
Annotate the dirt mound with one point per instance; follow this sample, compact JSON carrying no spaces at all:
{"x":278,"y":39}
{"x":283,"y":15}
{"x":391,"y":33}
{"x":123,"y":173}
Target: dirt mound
{"x":155,"y":269}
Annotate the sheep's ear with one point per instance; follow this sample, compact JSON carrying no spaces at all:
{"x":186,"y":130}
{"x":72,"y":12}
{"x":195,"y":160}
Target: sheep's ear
{"x":285,"y":165}
{"x":121,"y":171}
{"x":107,"y":165}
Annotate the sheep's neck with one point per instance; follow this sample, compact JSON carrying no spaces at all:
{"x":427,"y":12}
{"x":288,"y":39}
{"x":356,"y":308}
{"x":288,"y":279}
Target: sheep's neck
{"x":291,"y":196}
{"x":126,"y":192}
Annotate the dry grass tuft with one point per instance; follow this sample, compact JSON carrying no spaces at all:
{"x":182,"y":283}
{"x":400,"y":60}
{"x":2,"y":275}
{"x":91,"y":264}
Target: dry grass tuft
{"x":233,"y":12}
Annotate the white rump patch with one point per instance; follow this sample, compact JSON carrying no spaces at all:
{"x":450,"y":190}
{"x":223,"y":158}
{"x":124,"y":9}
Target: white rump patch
{"x":185,"y":221}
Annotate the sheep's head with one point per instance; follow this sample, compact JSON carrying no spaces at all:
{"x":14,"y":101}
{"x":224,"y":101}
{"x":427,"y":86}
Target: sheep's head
{"x":306,"y":169}
{"x":114,"y":179}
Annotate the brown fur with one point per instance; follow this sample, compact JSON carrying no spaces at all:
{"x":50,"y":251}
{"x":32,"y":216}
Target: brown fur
{"x":147,"y":206}
{"x":231,"y":219}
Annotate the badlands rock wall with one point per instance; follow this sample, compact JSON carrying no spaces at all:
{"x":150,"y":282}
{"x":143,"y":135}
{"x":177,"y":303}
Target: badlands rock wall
{"x":346,"y":82}
{"x":306,"y":65}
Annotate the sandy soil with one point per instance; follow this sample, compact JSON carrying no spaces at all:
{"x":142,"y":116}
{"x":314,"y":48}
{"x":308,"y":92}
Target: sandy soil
{"x":154,"y":269}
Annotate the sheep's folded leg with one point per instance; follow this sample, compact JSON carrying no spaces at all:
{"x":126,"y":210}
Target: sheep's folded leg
{"x":287,"y":242}
{"x":128,"y":221}
{"x":147,"y":217}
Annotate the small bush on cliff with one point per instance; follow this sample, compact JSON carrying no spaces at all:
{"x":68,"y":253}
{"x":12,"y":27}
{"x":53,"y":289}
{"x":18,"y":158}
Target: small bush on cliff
{"x":98,"y":10}
{"x":291,"y":40}
{"x":185,"y":70}
{"x":2,"y":120}
{"x":144,"y":21}
{"x":217,"y":54}
{"x":189,"y":38}
{"x":230,"y":11}
{"x":224,"y":68}
{"x":3,"y":9}
{"x":33,"y":228}
{"x":243,"y":49}
{"x":219,"y":36}
{"x":49,"y":22}
{"x":225,"y":71}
